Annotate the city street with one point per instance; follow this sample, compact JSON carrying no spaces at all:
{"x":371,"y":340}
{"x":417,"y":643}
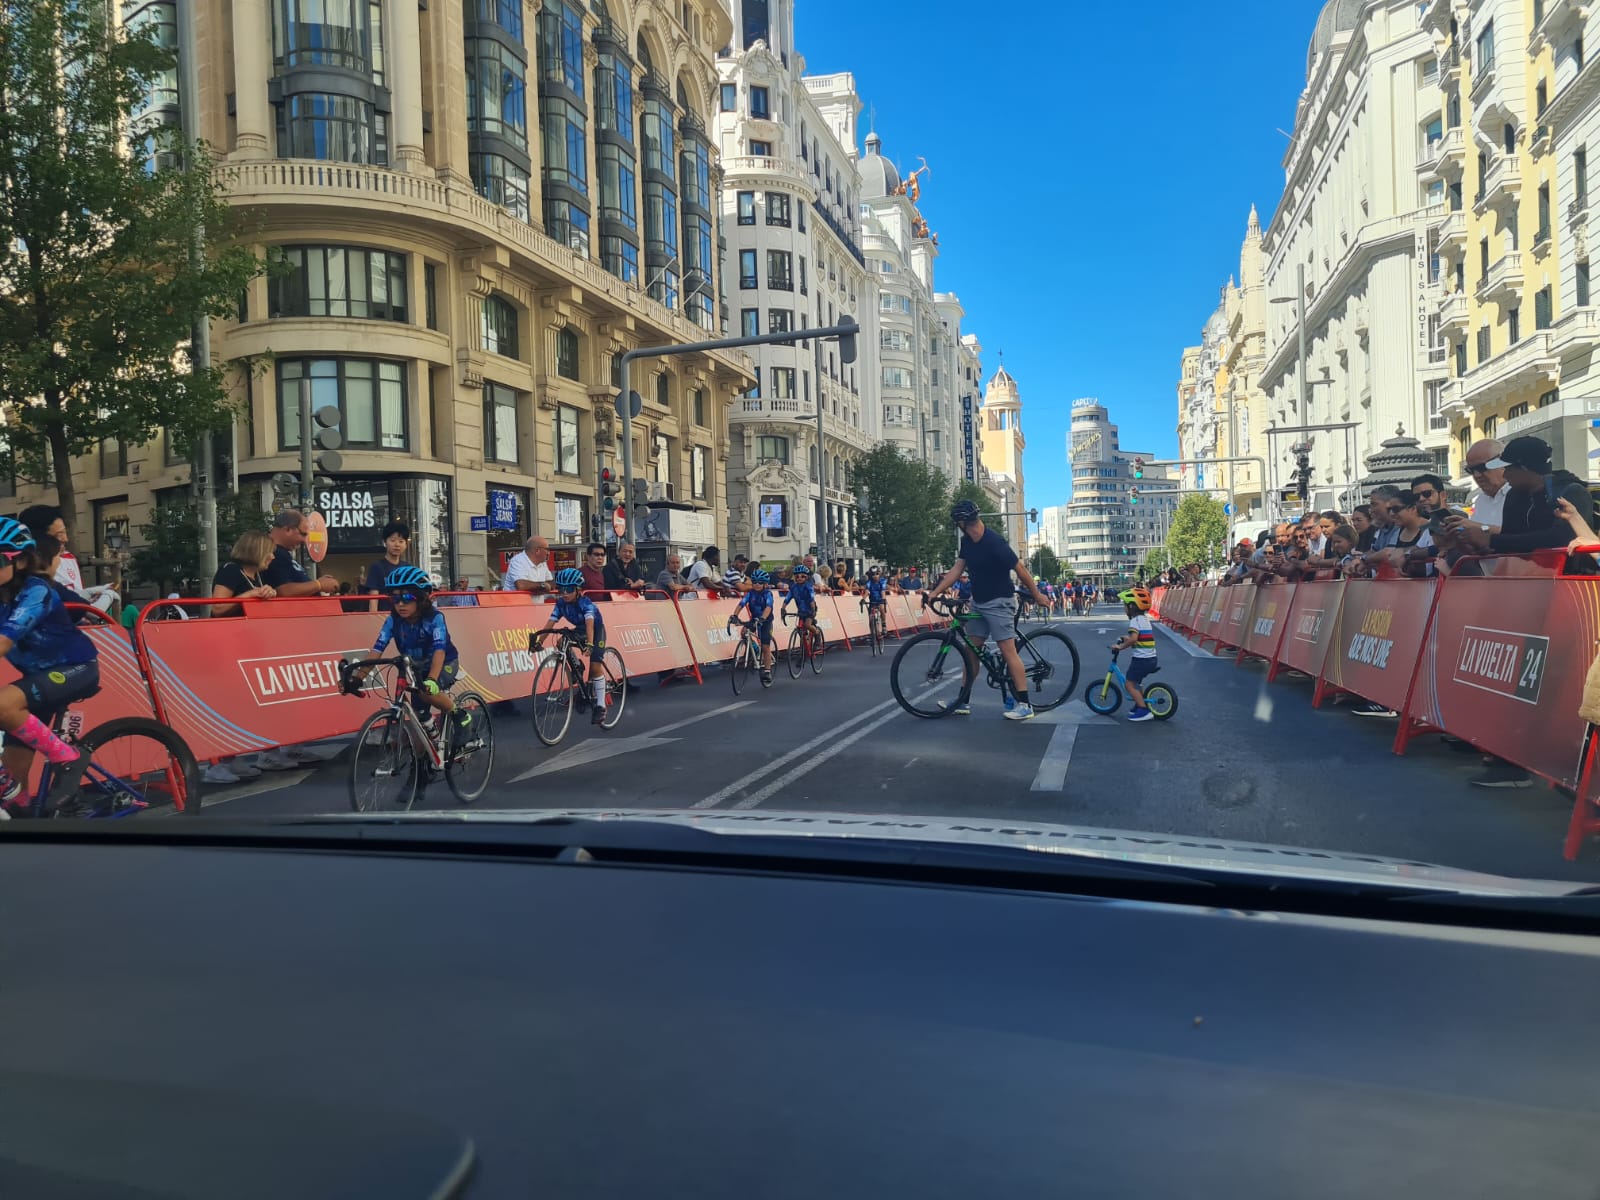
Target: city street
{"x":1239,"y":760}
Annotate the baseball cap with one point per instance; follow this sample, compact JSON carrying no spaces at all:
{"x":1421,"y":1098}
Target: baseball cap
{"x":1529,"y":453}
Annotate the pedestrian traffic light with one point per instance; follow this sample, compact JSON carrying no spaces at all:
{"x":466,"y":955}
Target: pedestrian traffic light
{"x":847,"y":341}
{"x":1133,"y":495}
{"x":1138,"y":468}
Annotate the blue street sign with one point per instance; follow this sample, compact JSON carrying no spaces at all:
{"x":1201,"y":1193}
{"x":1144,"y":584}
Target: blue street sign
{"x":1227,"y":509}
{"x":480,"y":524}
{"x":502,"y":509}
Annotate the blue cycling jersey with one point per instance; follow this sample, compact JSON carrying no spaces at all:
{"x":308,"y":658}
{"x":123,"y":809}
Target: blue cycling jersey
{"x":578,"y":611}
{"x":417,"y":640}
{"x":804,"y":596}
{"x":42,"y":632}
{"x":877,"y":590}
{"x":963,"y":589}
{"x":758,"y":603}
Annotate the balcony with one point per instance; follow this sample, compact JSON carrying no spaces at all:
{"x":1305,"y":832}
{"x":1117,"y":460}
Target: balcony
{"x":787,"y":410}
{"x":1501,"y":186}
{"x":1534,"y":363}
{"x":757,"y":169}
{"x":1558,"y":15}
{"x":1483,"y":71}
{"x":1452,"y":313}
{"x":1503,"y":284}
{"x":1452,"y":229}
{"x":1446,"y":155}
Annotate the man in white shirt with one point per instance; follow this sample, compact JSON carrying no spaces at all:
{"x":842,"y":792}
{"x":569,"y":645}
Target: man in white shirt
{"x":529,"y":570}
{"x":47,"y":519}
{"x":1488,"y":500}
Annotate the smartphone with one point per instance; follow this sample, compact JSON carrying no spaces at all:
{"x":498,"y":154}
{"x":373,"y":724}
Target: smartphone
{"x":1550,"y":490}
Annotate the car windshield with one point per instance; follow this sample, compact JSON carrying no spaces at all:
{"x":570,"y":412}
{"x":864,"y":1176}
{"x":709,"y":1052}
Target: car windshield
{"x":795,"y":415}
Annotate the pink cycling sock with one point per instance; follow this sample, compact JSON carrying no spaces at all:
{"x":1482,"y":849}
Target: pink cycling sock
{"x":35,"y":734}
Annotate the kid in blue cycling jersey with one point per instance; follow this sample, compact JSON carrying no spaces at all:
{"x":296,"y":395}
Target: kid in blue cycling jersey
{"x":583,"y":614}
{"x":57,"y":662}
{"x":418,"y":631}
{"x":804,"y":598}
{"x":877,"y":588}
{"x":758,"y":603}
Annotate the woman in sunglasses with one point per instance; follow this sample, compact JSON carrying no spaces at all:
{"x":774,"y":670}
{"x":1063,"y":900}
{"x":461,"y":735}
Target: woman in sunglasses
{"x":418,"y":631}
{"x":58,"y":663}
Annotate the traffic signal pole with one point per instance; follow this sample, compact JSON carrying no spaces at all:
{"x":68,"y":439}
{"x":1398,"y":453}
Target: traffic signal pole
{"x":845,"y":331}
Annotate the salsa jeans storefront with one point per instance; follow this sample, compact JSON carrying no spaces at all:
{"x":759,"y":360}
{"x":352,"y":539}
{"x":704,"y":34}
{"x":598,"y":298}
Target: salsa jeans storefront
{"x":357,"y":508}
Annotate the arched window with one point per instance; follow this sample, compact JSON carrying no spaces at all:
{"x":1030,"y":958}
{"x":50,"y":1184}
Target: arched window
{"x":815,"y":470}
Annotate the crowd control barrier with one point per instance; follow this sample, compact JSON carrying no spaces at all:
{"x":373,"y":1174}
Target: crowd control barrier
{"x":1498,"y":660}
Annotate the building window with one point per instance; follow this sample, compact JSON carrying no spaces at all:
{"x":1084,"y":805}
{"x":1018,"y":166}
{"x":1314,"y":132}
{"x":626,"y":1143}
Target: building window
{"x":778,"y":208}
{"x":758,"y":103}
{"x":659,"y":137}
{"x":1543,"y":314}
{"x":563,"y":123}
{"x":698,"y":407}
{"x":698,"y":474}
{"x":501,"y":182}
{"x":1517,"y":410}
{"x":567,"y":354}
{"x":664,"y":390}
{"x":1541,"y":97}
{"x":1580,"y":177}
{"x":339,"y":281}
{"x":1485,"y":55}
{"x":332,"y":127}
{"x":1483,"y":345}
{"x":499,"y":423}
{"x":747,"y":208}
{"x":1510,"y":138}
{"x":566,"y":440}
{"x":313,"y":33}
{"x":730,"y":97}
{"x":620,"y":257}
{"x":1491,"y":426}
{"x":779,"y":320}
{"x":761,"y":149}
{"x":113,"y":458}
{"x":747,"y":269}
{"x":772,"y":449}
{"x":370,"y":395}
{"x":430,"y":294}
{"x":778,"y":270}
{"x":1461,"y":358}
{"x":802,"y":275}
{"x":499,"y":327}
{"x":897,"y":377}
{"x":1546,"y":399}
{"x":619,"y":200}
{"x":565,"y":144}
{"x":497,"y":91}
{"x":749,"y":322}
{"x":783,"y":383}
{"x":1544,"y":214}
{"x":1583,"y":281}
{"x":1513,"y":327}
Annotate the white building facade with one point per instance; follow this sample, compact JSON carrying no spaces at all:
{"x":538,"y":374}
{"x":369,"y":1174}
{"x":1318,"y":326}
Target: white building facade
{"x":793,"y":260}
{"x":1108,"y":535}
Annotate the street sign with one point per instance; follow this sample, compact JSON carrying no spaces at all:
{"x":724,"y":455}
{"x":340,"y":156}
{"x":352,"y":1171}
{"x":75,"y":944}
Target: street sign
{"x":619,"y":523}
{"x":480,"y":524}
{"x":502,"y":509}
{"x":316,"y":536}
{"x":634,"y":405}
{"x":1227,"y":509}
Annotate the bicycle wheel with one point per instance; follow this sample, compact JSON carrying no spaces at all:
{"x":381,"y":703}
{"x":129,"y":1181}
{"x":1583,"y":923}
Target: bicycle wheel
{"x":877,"y":635}
{"x":471,"y":750}
{"x":384,"y":772}
{"x":797,"y":654}
{"x":926,"y":667}
{"x":1161,"y":700}
{"x":743,"y":664}
{"x":1103,"y":697}
{"x":816,"y":648}
{"x":1050,"y":661}
{"x":124,"y":767}
{"x":616,"y":686}
{"x":553,"y":695}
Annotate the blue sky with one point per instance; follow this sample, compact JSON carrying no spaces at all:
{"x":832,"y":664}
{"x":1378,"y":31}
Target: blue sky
{"x":1152,"y":128}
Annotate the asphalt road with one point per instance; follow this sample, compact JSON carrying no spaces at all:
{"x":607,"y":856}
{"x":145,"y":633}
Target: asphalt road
{"x":1239,"y":760}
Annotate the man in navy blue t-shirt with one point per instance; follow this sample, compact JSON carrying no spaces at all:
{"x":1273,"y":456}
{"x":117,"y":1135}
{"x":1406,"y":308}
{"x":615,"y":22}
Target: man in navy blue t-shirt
{"x":988,"y":560}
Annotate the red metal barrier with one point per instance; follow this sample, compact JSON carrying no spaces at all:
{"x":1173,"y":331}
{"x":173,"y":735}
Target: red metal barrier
{"x":1377,"y":640}
{"x":1313,"y":617}
{"x":1269,"y":618}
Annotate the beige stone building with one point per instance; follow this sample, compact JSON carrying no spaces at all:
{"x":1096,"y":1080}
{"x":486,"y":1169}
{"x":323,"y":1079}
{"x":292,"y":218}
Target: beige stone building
{"x":1001,"y":422}
{"x":482,"y":203}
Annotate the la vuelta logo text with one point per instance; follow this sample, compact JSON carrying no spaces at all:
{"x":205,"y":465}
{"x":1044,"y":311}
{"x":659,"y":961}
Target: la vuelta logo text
{"x":290,"y":677}
{"x":1501,"y":661}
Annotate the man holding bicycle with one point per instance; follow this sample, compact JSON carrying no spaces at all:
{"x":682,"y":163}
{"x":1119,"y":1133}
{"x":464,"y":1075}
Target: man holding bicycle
{"x":989,"y":560}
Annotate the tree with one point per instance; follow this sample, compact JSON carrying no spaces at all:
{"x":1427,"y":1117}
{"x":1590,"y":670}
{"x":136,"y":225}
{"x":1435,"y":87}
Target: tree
{"x":170,"y":557}
{"x":1198,"y":531}
{"x":965,"y":489}
{"x":1045,"y":566}
{"x":97,"y":288}
{"x":1155,"y":561}
{"x":905,"y":519}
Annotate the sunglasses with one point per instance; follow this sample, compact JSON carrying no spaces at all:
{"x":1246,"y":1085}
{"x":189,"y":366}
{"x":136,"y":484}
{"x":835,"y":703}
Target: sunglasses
{"x":1395,"y":508}
{"x":1477,"y":468}
{"x":405,"y":597}
{"x":12,"y":555}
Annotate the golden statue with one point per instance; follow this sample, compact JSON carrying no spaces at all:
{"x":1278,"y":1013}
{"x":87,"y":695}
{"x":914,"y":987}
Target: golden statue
{"x":913,"y":185}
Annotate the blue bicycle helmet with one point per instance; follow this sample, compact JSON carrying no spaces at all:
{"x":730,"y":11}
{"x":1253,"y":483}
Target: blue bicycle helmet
{"x":407,"y":576}
{"x":801,"y":570}
{"x":14,"y":536}
{"x":568,"y":578}
{"x":759,"y":576}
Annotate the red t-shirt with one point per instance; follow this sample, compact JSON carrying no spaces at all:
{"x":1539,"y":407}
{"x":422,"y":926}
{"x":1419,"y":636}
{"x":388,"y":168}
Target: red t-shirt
{"x":593,"y":580}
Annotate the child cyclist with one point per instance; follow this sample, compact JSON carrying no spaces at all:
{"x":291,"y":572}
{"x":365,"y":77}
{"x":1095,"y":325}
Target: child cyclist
{"x":418,"y":631}
{"x":876,"y":596}
{"x":758,"y":603}
{"x":1141,"y":639}
{"x":57,"y":661}
{"x":804,"y":597}
{"x":584,"y":615}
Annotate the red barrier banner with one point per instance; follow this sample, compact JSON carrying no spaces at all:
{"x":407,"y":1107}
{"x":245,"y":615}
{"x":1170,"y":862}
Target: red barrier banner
{"x":1489,"y":675}
{"x":1377,"y":639}
{"x":1211,"y":612}
{"x":1158,"y":597}
{"x":852,"y":615}
{"x":1269,"y":616}
{"x":647,"y":633}
{"x":705,"y":622}
{"x":1236,"y":606}
{"x":905,"y":613}
{"x":1313,"y":616}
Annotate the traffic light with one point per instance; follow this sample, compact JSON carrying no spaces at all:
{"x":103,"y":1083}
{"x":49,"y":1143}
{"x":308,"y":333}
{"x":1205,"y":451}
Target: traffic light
{"x":1133,"y":495}
{"x":610,"y":491}
{"x":641,"y":500}
{"x":847,"y":341}
{"x":327,"y":439}
{"x":1138,"y":468}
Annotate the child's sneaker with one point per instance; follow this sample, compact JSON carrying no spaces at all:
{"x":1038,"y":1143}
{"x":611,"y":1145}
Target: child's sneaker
{"x":959,"y":708}
{"x":1141,"y":714}
{"x":1022,"y":712}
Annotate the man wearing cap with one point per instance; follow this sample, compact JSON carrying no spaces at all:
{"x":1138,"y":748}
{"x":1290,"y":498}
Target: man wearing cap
{"x":1528,"y":517}
{"x":1490,"y":489}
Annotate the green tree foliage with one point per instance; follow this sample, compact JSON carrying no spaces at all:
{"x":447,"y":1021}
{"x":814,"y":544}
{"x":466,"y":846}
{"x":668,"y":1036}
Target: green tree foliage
{"x":1198,"y":532}
{"x":1045,"y":566}
{"x":97,"y":287}
{"x":965,"y":489}
{"x":906,"y":517}
{"x":170,"y":557}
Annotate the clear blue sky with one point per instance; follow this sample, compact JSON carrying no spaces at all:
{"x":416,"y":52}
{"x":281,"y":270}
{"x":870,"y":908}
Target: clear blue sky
{"x":1151,"y":128}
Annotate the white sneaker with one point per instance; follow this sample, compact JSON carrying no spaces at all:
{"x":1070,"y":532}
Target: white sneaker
{"x":218,"y":773}
{"x":275,"y":760}
{"x":1022,"y":712}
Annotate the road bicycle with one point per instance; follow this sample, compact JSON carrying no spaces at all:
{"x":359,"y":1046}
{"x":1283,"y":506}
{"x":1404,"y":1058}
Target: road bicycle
{"x":1105,"y":697}
{"x":561,"y":683}
{"x":406,"y":744}
{"x":123,"y":765}
{"x":875,"y":625}
{"x":746,"y":657}
{"x":935,"y":658}
{"x":805,"y":645}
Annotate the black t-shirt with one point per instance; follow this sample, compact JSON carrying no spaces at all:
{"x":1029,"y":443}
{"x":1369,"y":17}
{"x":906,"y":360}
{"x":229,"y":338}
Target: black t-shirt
{"x":231,"y":575}
{"x":377,"y":573}
{"x":989,"y":561}
{"x":618,"y":575}
{"x":283,"y":569}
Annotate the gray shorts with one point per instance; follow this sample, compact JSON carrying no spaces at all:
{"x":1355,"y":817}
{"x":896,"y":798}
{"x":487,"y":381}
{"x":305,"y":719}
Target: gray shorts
{"x":996,"y":619}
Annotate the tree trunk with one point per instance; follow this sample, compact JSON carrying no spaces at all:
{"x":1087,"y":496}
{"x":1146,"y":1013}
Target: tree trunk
{"x":66,"y":490}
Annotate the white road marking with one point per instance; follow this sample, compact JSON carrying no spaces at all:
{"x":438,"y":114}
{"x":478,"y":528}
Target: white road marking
{"x":596,"y":748}
{"x":811,"y":764}
{"x":271,"y":782}
{"x":1052,"y":773}
{"x":1187,"y":646}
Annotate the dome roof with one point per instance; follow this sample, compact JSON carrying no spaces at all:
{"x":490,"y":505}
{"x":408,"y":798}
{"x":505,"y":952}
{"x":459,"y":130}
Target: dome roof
{"x":878,"y":175}
{"x":1337,"y":17}
{"x":1004,"y":381}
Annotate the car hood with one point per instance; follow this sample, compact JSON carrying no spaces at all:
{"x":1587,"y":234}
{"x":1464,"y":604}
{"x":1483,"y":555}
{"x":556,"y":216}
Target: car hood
{"x":1116,"y":845}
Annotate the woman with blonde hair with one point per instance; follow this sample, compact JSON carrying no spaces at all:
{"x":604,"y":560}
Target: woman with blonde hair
{"x":240,"y":577}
